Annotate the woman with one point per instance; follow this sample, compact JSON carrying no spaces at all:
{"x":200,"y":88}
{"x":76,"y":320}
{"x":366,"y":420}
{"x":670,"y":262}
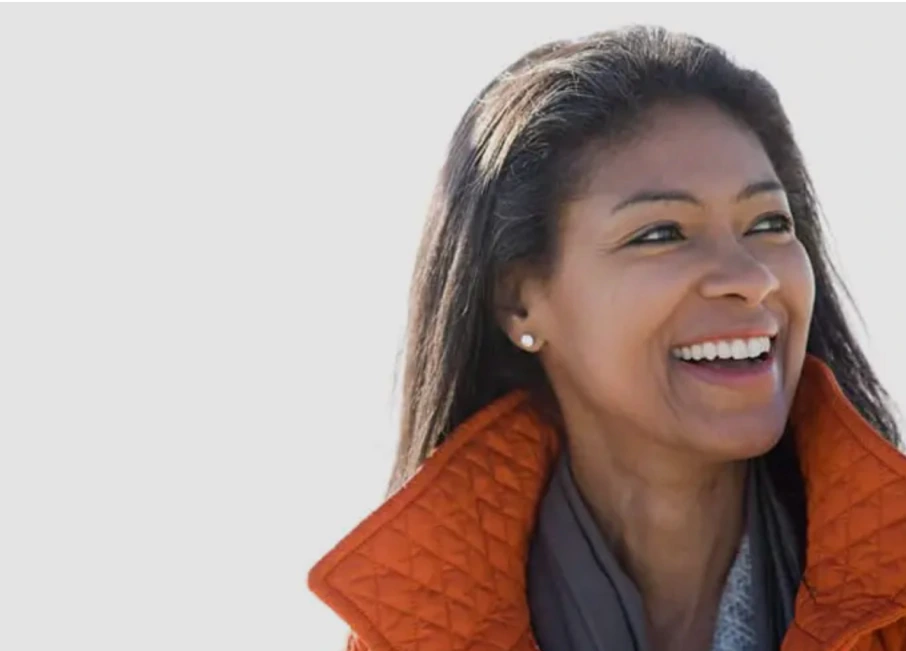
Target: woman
{"x":634,"y":414}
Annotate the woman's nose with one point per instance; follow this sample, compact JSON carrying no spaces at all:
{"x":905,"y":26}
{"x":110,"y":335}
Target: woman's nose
{"x":736,"y":273}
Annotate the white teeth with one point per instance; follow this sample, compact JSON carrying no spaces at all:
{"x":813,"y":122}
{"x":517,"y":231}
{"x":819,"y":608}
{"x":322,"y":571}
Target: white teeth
{"x":754,"y":347}
{"x":729,"y":349}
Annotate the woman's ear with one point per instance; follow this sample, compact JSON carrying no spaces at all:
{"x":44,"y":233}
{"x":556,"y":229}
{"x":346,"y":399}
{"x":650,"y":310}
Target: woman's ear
{"x":513,"y":309}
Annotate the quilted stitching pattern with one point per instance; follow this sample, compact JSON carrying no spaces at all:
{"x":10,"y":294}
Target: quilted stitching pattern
{"x":441,"y":565}
{"x":856,"y":488}
{"x":448,"y":569}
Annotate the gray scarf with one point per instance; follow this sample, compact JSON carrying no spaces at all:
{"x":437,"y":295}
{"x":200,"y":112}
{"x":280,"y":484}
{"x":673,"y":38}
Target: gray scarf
{"x":582,"y":600}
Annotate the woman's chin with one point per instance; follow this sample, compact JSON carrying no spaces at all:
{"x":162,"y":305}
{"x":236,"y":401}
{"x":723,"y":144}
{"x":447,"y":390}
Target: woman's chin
{"x":740,"y":437}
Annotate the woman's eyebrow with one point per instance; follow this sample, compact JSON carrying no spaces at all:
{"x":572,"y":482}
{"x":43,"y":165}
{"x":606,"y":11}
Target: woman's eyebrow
{"x":649,"y":196}
{"x":760,"y":187}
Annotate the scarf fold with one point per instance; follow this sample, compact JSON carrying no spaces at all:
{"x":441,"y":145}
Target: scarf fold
{"x":582,"y":600}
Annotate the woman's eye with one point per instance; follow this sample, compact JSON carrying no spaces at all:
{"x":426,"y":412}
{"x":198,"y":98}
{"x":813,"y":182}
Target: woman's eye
{"x":660,"y":234}
{"x":776,"y":223}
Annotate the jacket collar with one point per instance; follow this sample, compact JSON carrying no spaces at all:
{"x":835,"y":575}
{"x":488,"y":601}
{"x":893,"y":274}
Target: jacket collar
{"x":441,"y":564}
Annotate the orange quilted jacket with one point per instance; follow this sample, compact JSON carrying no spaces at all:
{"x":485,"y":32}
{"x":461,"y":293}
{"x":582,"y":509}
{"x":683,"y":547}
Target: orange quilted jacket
{"x":440,"y":566}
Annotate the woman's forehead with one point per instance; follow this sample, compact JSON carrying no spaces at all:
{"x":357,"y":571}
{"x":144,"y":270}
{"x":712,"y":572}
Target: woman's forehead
{"x":692,"y":148}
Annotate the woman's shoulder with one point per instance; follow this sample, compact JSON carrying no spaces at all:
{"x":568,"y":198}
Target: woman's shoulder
{"x":855,"y":483}
{"x":460,"y":526}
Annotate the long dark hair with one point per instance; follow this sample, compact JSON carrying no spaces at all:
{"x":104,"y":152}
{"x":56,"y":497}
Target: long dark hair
{"x":515,"y":157}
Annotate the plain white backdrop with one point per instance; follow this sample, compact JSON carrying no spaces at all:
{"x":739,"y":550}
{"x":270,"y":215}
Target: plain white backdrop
{"x":208,"y":216}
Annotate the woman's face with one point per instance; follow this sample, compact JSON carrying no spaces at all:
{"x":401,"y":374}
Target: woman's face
{"x":680,"y":247}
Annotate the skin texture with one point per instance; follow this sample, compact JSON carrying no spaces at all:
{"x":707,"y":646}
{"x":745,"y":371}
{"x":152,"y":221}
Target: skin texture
{"x":658,"y":451}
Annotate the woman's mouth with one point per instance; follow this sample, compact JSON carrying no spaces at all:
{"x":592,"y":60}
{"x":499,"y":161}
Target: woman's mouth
{"x":726,"y":350}
{"x":728,"y":360}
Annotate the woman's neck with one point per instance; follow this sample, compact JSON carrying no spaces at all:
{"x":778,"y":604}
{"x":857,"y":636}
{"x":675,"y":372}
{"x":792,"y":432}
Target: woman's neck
{"x":675,"y":526}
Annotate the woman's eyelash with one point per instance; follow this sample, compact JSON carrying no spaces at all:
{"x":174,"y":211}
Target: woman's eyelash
{"x":781,"y":224}
{"x":659,"y":234}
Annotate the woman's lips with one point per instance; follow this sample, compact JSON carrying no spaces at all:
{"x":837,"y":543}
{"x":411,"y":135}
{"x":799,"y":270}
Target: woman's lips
{"x":734,"y":373}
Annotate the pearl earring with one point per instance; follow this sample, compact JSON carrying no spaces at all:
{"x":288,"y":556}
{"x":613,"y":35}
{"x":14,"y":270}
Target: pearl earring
{"x":527,"y":341}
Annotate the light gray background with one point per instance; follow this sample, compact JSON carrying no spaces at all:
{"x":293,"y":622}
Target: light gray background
{"x":208,"y":215}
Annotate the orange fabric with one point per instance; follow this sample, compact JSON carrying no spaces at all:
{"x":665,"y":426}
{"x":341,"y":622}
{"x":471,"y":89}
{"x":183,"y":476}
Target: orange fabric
{"x":440,"y":566}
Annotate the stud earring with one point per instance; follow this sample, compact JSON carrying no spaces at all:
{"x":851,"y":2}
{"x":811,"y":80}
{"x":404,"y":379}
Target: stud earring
{"x":527,"y":341}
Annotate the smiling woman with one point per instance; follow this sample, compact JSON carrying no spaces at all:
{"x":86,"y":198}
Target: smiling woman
{"x":634,"y":414}
{"x":699,"y":253}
